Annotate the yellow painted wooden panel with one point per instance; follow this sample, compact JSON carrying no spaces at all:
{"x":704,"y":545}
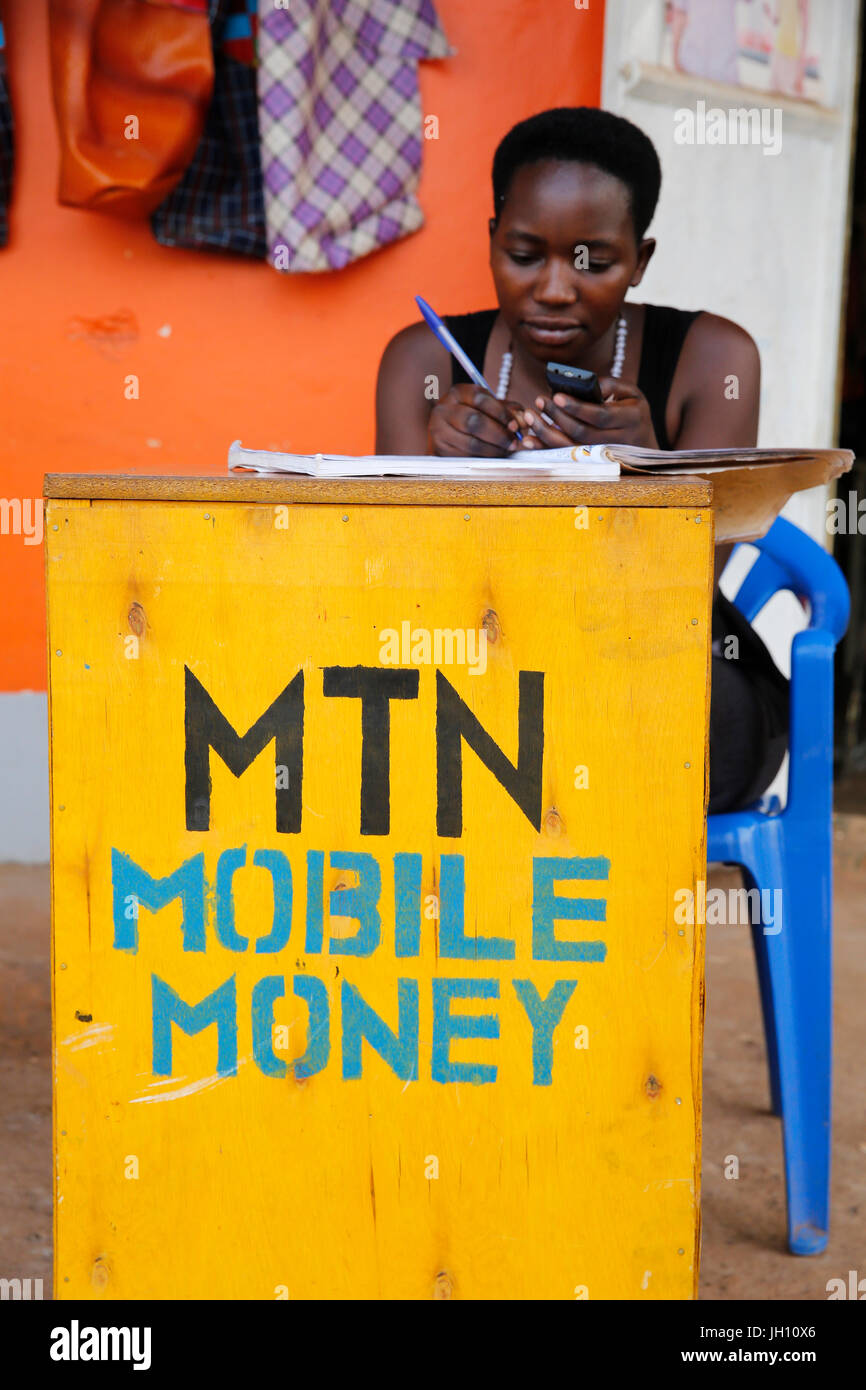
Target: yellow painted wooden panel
{"x":196,"y":1184}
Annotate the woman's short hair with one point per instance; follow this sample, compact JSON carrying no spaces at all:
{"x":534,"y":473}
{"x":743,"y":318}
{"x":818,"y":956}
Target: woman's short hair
{"x":585,"y":135}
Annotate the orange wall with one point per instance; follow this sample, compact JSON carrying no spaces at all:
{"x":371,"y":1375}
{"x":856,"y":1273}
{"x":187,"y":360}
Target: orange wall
{"x":279,"y":362}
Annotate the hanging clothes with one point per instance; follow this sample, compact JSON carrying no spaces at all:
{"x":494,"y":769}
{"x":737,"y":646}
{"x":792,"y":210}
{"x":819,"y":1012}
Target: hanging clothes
{"x":218,"y":205}
{"x":7,"y":146}
{"x":131,"y":82}
{"x":239,"y":34}
{"x":340,"y":123}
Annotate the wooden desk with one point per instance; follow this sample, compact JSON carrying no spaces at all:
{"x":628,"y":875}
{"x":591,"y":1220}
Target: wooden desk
{"x":370,"y":803}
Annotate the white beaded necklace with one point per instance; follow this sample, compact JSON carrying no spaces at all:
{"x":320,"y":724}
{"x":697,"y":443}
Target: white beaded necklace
{"x":616,"y":369}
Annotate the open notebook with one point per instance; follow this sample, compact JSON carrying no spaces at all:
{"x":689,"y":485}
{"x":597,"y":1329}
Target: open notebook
{"x":750,"y":486}
{"x":552,"y":463}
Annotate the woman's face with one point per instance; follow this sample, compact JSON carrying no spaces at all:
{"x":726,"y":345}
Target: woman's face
{"x":563,"y":255}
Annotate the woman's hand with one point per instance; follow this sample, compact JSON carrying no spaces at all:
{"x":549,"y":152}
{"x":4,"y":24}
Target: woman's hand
{"x":622,"y":418}
{"x":469,"y":423}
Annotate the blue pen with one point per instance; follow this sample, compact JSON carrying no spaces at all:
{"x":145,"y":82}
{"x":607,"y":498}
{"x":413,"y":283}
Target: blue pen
{"x":448,"y":340}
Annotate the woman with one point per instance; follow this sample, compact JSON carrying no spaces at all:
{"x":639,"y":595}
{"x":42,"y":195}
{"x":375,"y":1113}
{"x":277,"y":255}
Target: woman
{"x":574,"y":191}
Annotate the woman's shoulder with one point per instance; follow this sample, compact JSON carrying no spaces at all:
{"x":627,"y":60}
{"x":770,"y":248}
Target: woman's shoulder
{"x":707,"y":372}
{"x":418,"y":344}
{"x":703,"y":328}
{"x":414,"y":343}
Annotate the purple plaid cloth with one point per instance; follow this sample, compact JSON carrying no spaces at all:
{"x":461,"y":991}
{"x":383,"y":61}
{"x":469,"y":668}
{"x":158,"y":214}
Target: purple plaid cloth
{"x":340,"y":124}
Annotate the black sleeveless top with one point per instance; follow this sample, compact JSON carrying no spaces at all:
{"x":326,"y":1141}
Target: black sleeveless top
{"x":663,"y":336}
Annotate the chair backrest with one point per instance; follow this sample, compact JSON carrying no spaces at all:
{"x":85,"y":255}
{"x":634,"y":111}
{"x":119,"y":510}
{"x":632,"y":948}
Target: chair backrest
{"x":789,"y":559}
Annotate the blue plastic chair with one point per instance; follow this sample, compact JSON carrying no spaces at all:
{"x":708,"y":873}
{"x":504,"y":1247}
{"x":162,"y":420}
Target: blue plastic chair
{"x":791,"y":849}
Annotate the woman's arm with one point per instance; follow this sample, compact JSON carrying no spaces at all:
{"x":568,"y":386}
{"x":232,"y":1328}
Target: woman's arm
{"x":413,"y":366}
{"x":716,"y":388}
{"x":418,"y":411}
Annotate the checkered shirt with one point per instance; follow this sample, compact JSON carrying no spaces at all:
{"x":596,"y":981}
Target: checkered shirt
{"x":340,"y":123}
{"x":218,"y":204}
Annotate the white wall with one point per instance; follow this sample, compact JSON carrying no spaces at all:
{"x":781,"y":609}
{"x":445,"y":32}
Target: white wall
{"x":24,"y":829}
{"x":758,"y":238}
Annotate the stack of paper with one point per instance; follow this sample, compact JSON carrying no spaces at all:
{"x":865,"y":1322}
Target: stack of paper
{"x":750,"y":486}
{"x":578,"y":462}
{"x":699,"y":462}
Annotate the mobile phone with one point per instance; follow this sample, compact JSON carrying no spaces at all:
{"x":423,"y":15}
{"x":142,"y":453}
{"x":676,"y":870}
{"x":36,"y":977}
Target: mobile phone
{"x":574,"y":381}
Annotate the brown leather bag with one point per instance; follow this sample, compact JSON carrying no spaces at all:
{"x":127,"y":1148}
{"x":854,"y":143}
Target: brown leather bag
{"x":132,"y":80}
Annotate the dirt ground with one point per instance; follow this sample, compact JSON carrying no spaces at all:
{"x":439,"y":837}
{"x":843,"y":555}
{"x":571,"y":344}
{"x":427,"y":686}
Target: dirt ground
{"x":744,"y":1254}
{"x":744,"y":1250}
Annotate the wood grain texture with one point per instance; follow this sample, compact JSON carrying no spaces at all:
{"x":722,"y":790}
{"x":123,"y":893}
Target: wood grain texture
{"x":223,"y":487}
{"x":250,"y":1185}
